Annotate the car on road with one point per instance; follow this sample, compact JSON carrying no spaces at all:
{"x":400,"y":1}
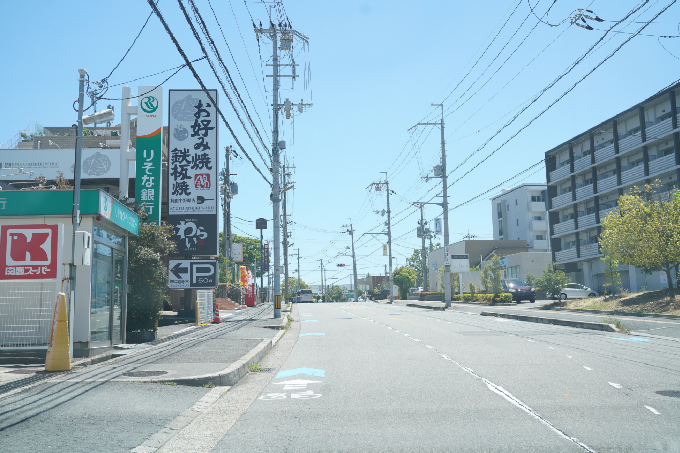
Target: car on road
{"x":519,"y":289}
{"x":380,"y":295}
{"x":576,"y":291}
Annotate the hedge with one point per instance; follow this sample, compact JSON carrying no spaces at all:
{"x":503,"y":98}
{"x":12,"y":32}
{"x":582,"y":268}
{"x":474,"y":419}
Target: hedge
{"x":503,"y":298}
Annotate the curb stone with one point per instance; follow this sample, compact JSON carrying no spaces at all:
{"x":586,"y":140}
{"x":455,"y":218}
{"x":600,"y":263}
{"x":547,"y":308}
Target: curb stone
{"x":615,"y":312}
{"x":554,"y":321}
{"x":237,"y":370}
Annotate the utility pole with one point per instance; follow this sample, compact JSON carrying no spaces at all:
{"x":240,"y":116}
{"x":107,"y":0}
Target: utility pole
{"x":287,"y":35}
{"x":285,"y":228}
{"x":445,"y":207}
{"x":354,"y":263}
{"x":422,"y":234}
{"x":299,"y":285}
{"x":227,"y":195}
{"x":321,"y":278}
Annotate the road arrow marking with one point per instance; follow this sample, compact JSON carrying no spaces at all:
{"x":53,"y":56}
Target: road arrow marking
{"x":589,"y":369}
{"x":653,"y":411}
{"x":616,"y":386}
{"x":296,"y":371}
{"x":296,"y":384}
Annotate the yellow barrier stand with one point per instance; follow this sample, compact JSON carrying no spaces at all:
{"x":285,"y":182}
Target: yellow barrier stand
{"x":58,"y":352}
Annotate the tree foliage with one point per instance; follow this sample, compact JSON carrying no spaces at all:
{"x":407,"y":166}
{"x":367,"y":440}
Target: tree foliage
{"x":491,"y":276}
{"x":335,"y":294}
{"x":404,"y":277}
{"x":611,"y":273}
{"x":147,"y":273}
{"x":644,"y":231}
{"x":415,"y":262}
{"x":251,"y":252}
{"x":552,"y":281}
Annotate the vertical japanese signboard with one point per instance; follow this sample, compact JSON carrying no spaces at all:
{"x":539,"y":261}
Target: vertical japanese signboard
{"x":149,"y":152}
{"x":192,"y":172}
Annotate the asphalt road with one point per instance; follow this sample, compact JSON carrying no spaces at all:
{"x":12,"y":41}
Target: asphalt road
{"x":375,"y":377}
{"x":112,"y":406}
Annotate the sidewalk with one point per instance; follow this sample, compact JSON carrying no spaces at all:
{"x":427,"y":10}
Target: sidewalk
{"x":217,"y":354}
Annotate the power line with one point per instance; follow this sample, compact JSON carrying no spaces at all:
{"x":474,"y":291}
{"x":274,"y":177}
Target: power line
{"x":198,"y":79}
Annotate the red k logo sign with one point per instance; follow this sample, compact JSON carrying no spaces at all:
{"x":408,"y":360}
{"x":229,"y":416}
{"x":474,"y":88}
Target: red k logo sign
{"x":28,"y":251}
{"x":28,"y":246}
{"x":202,"y":181}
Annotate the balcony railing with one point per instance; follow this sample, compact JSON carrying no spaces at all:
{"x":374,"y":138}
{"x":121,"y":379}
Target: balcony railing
{"x":540,"y":244}
{"x":659,"y":129}
{"x":583,"y":192}
{"x":629,"y":143}
{"x":559,"y":173}
{"x":632,"y":174}
{"x":565,"y":255}
{"x":661,"y":164}
{"x":536,"y":206}
{"x":561,"y":200}
{"x":583,"y":162}
{"x":538,"y":225}
{"x":605,"y":153}
{"x":589,"y":250}
{"x":564,"y":227}
{"x":604,"y":212}
{"x":606,"y":184}
{"x":663,"y":196}
{"x":586,"y":220}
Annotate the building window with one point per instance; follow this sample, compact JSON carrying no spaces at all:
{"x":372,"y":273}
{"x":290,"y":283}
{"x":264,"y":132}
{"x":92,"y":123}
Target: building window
{"x":538,"y":217}
{"x":508,"y":206}
{"x":515,"y":201}
{"x":539,"y":237}
{"x":517,"y":220}
{"x":513,"y":272}
{"x":499,"y":209}
{"x":500,"y":228}
{"x":537,"y":198}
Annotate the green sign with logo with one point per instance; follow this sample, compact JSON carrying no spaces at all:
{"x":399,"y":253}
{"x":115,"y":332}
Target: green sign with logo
{"x":60,"y":202}
{"x":148,"y":182}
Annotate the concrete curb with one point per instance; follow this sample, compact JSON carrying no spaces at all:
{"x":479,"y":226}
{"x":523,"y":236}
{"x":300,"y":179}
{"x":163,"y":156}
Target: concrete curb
{"x":614,"y":313}
{"x":426,"y":306}
{"x":553,"y":321}
{"x":237,"y":370}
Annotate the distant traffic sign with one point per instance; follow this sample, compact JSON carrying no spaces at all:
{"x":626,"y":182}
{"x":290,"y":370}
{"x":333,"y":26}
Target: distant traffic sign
{"x":186,"y":274}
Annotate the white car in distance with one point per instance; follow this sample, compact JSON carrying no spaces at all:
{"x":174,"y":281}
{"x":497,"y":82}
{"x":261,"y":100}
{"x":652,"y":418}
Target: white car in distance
{"x":577,"y":291}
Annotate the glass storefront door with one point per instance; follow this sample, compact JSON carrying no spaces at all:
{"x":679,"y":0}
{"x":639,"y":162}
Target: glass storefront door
{"x":108,"y":302}
{"x":118,"y":295}
{"x":102,"y":295}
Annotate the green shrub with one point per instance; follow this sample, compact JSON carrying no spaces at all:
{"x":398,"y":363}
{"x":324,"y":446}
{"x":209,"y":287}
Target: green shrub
{"x":473,"y":290}
{"x":468,"y":297}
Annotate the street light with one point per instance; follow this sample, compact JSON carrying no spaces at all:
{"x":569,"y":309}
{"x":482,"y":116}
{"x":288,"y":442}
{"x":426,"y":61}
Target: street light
{"x":100,"y":117}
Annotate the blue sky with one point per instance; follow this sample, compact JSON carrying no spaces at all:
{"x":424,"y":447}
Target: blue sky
{"x":376,"y":66}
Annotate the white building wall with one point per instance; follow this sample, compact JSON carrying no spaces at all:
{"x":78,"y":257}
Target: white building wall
{"x":518,"y":212}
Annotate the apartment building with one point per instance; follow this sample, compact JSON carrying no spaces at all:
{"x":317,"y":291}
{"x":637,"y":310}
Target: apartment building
{"x":588,"y":173}
{"x":521,"y":213}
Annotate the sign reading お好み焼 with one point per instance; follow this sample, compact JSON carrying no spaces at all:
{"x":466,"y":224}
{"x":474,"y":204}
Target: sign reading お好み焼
{"x":148,"y":182}
{"x":192,"y":173}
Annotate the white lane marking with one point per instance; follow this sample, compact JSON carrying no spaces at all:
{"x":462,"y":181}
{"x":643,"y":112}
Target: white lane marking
{"x":616,"y":386}
{"x":532,"y":341}
{"x":569,"y":356}
{"x":551,"y":347}
{"x":589,"y":369}
{"x":653,"y":411}
{"x":498,"y":390}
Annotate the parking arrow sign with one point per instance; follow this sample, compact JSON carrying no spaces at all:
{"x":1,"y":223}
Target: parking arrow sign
{"x":196,"y":274}
{"x":178,"y":270}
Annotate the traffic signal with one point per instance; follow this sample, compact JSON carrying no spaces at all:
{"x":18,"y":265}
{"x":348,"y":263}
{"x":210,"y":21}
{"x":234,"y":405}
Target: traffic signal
{"x":340,"y":265}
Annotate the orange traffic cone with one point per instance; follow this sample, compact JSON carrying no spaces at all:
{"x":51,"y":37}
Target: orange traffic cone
{"x":58,"y":351}
{"x":217,"y":315}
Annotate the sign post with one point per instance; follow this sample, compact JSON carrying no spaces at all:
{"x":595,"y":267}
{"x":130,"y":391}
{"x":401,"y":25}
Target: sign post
{"x":261,"y":224}
{"x":192,"y":172}
{"x":148,"y":182}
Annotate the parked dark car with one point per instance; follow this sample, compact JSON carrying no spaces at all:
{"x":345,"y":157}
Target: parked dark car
{"x":519,"y":289}
{"x":380,"y":295}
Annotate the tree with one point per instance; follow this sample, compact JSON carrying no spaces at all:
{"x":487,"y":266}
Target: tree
{"x":335,"y":293}
{"x":251,"y":252}
{"x":611,"y":272}
{"x":552,"y":281}
{"x":530,"y":280}
{"x":415,"y":262}
{"x":491,"y":276}
{"x":147,"y":273}
{"x":644,"y":232}
{"x":404,"y":277}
